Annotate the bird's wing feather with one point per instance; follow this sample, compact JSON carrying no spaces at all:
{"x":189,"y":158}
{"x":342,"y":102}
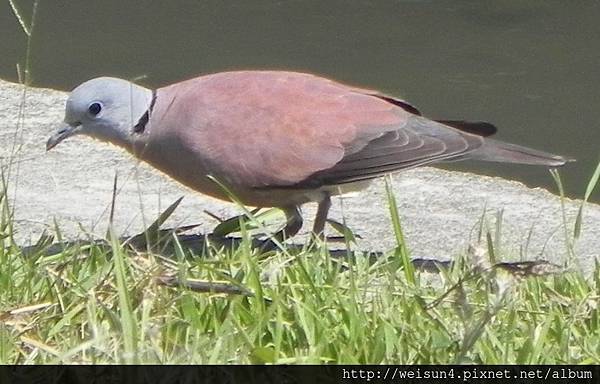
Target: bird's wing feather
{"x":421,"y":141}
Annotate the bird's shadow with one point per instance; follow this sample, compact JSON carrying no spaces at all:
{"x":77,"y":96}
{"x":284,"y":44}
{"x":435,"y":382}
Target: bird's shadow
{"x":169,"y":242}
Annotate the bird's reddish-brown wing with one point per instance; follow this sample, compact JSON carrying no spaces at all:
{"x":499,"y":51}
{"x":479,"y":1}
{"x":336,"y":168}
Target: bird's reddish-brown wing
{"x":271,"y":128}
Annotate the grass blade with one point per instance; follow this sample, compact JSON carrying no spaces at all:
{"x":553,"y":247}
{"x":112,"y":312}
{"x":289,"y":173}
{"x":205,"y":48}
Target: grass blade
{"x":128,"y":321}
{"x":401,"y":249}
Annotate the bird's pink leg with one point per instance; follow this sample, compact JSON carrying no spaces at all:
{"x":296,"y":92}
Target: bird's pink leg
{"x":321,"y":217}
{"x":293,"y":223}
{"x":292,"y":227}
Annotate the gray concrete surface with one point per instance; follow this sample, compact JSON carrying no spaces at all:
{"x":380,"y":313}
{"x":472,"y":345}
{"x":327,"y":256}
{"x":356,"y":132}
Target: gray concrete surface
{"x":440,"y":210}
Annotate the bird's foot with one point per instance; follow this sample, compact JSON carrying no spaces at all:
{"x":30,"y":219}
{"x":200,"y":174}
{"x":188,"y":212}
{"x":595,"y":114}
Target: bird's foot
{"x":344,"y":233}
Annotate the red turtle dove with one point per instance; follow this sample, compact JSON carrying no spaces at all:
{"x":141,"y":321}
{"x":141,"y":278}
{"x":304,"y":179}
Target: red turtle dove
{"x":274,"y":138}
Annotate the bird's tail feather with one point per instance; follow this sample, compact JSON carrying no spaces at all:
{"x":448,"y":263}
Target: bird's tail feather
{"x":498,"y":151}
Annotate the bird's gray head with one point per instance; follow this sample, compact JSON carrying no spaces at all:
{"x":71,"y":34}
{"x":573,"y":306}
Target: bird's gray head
{"x":105,"y":108}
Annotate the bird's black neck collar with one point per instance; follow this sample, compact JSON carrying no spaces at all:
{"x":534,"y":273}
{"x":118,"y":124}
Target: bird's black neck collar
{"x":141,"y":124}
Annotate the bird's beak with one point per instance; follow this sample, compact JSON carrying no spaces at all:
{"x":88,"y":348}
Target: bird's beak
{"x":62,"y":133}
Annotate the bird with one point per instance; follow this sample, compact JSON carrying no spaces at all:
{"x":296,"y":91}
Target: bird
{"x":277,"y":138}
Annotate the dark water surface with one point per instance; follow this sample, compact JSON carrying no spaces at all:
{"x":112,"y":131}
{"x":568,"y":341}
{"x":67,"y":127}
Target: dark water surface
{"x":530,"y":67}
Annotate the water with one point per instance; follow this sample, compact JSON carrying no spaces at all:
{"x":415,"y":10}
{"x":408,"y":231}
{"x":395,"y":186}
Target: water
{"x":530,"y":67}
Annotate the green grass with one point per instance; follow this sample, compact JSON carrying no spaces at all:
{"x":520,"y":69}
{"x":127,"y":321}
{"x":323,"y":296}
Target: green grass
{"x":106,"y":303}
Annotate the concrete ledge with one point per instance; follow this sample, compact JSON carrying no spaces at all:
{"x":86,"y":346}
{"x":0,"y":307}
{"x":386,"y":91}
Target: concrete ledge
{"x":440,"y":209}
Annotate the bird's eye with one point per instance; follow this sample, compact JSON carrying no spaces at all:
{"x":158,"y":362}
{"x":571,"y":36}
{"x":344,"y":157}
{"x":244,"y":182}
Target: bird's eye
{"x":94,"y":108}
